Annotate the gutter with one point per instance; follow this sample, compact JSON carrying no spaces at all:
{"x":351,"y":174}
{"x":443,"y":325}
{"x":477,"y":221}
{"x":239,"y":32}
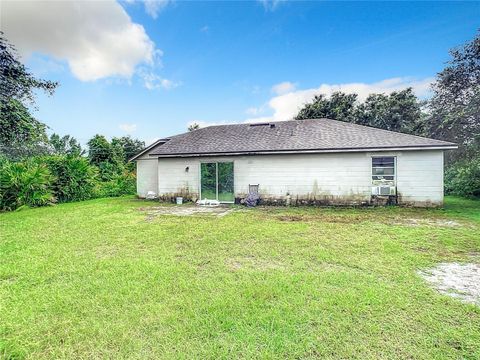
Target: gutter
{"x":313,"y":151}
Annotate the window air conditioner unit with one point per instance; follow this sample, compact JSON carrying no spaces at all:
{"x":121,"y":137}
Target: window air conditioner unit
{"x":384,"y":190}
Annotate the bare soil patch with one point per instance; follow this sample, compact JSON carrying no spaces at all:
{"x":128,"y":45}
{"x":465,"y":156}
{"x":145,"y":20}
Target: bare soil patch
{"x":327,"y":218}
{"x":187,"y":210}
{"x":460,"y":281}
{"x":427,"y":222}
{"x":291,"y":218}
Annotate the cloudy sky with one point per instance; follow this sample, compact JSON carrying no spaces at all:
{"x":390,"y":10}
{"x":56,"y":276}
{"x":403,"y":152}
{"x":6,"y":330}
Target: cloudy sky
{"x":149,"y":68}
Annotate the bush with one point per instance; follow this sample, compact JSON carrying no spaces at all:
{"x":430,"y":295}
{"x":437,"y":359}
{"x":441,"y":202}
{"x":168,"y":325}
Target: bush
{"x":75,"y":178}
{"x":25,"y":184}
{"x":463,"y":178}
{"x":109,"y":171}
{"x":124,"y":184}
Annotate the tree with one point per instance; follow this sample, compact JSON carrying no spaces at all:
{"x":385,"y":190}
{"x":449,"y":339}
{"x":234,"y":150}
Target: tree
{"x":107,"y":157}
{"x":338,"y":106}
{"x":455,"y":104}
{"x":398,"y":111}
{"x":193,"y":126}
{"x":65,"y":145}
{"x":20,"y":132}
{"x":130,"y":146}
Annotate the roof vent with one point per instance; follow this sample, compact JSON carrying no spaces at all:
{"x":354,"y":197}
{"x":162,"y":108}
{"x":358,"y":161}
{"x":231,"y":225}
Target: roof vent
{"x":263,"y":124}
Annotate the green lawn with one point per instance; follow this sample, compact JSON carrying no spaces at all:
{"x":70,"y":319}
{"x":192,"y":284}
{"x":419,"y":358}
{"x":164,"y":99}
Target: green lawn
{"x":101,"y":279}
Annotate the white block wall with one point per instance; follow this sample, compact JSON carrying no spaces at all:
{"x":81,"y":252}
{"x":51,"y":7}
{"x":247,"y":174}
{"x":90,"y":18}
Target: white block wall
{"x":340,"y":175}
{"x":174,"y":178}
{"x":147,"y":176}
{"x":420,"y":177}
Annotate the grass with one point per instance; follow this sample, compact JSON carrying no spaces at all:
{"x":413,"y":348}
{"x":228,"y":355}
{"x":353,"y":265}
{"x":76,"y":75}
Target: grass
{"x":100,"y":279}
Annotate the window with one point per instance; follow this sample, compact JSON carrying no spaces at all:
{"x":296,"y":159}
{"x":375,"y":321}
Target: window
{"x":383,"y":169}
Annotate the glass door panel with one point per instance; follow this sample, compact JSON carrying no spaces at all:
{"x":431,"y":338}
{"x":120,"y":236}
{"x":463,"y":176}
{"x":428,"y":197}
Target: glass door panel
{"x":225,"y":181}
{"x":208,"y":181}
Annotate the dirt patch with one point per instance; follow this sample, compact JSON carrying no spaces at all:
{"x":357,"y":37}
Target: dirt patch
{"x":460,"y":281}
{"x":254,"y":263}
{"x":427,"y":222}
{"x":187,"y":210}
{"x":326,"y":218}
{"x":291,"y":218}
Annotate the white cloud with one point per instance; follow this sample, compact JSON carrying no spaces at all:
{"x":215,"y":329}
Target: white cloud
{"x":270,"y":5}
{"x":128,"y":128}
{"x":154,"y":7}
{"x":203,"y":124}
{"x":96,"y":38}
{"x":283,"y":87}
{"x":252,"y":111}
{"x":286,"y":106}
{"x":205,"y":29}
{"x":153,"y":81}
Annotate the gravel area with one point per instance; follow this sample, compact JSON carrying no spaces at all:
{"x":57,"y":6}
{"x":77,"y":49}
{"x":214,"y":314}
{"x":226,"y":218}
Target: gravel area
{"x":460,"y":281}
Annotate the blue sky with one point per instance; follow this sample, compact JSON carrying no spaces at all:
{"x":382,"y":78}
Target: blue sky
{"x":224,"y":62}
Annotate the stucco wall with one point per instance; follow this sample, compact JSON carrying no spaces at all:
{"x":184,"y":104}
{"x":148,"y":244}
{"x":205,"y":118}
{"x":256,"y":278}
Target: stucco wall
{"x":336,"y":177}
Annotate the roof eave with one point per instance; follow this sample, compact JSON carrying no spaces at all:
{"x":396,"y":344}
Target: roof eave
{"x":309,"y":151}
{"x":149,"y":147}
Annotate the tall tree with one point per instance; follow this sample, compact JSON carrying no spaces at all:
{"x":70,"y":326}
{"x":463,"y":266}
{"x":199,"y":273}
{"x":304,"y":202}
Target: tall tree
{"x":107,"y":157}
{"x":101,"y":150}
{"x":455,"y":104}
{"x":20,"y":132}
{"x":65,"y":145}
{"x":338,"y":106}
{"x":130,"y":146}
{"x":398,"y":111}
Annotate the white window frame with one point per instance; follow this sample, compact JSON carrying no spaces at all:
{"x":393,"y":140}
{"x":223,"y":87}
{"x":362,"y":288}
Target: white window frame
{"x":394,"y":168}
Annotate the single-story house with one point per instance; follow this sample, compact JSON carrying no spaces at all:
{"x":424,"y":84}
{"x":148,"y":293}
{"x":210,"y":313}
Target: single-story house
{"x":317,"y":161}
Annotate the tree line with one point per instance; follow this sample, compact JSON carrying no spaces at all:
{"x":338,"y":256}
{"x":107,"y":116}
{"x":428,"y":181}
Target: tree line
{"x":37,"y":169}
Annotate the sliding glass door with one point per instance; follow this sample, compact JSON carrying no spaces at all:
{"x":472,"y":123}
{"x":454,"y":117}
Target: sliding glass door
{"x":216,"y":181}
{"x":225,"y":181}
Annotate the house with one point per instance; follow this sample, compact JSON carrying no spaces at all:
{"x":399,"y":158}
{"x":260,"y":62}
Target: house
{"x":317,"y":161}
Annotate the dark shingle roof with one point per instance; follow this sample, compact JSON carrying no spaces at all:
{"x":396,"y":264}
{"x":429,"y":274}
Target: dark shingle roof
{"x":295,"y":135}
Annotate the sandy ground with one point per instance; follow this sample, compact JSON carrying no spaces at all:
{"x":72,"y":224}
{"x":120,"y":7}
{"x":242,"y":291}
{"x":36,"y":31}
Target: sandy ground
{"x":429,"y":222}
{"x":189,"y":210}
{"x":460,"y":281}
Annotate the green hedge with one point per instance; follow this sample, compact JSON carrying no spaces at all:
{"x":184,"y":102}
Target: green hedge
{"x":59,"y":178}
{"x":463,"y":178}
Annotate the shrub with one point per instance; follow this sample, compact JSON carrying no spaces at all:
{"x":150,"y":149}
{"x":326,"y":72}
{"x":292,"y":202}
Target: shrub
{"x":123,"y":184}
{"x":463,"y":178}
{"x":109,"y":171}
{"x":75,"y":178}
{"x":25,"y":184}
